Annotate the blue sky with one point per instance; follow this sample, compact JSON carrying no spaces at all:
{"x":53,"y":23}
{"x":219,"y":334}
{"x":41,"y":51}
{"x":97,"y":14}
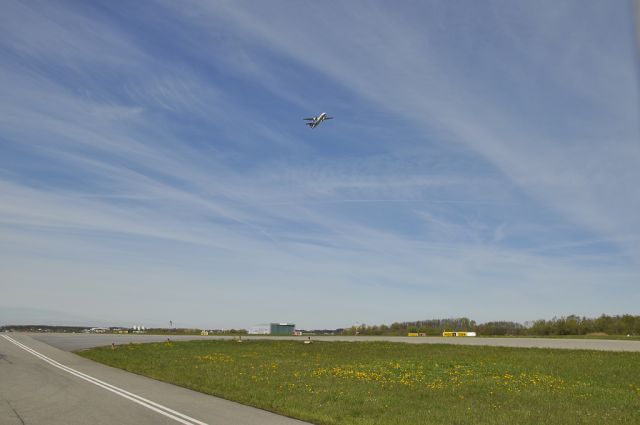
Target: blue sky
{"x":483,"y":161}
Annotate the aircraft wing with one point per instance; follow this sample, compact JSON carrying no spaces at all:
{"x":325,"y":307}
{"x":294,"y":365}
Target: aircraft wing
{"x":309,"y":119}
{"x":328,"y":118}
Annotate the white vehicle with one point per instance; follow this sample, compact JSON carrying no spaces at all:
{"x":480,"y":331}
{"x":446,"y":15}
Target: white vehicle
{"x":315,"y":121}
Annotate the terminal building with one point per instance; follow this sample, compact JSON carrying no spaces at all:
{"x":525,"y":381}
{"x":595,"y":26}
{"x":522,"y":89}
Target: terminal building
{"x":272,"y":329}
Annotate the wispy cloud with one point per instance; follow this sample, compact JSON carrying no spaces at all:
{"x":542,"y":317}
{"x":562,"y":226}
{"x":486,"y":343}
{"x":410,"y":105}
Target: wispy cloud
{"x":462,"y":175}
{"x":581,"y":163}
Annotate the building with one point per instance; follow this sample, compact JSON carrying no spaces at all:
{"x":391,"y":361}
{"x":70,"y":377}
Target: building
{"x":272,"y":329}
{"x":259,"y":330}
{"x":282,"y":328}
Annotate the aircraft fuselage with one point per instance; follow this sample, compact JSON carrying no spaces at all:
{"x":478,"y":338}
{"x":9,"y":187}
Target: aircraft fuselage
{"x":315,"y":121}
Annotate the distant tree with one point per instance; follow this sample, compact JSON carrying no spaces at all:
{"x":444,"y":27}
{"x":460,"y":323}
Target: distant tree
{"x":564,"y":325}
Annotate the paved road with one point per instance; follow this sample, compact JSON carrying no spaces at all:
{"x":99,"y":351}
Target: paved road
{"x":41,"y":384}
{"x":73,"y":342}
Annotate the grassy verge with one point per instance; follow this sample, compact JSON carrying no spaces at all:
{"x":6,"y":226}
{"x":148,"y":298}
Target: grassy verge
{"x":390,"y":383}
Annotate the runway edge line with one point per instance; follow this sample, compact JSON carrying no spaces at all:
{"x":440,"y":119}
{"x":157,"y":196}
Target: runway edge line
{"x":151,"y":405}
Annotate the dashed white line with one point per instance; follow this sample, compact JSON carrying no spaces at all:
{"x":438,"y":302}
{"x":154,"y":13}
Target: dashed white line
{"x":163,"y":410}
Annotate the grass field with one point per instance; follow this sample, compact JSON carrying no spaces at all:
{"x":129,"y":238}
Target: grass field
{"x":392,"y":383}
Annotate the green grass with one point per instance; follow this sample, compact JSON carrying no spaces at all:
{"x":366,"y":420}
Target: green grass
{"x":392,"y":383}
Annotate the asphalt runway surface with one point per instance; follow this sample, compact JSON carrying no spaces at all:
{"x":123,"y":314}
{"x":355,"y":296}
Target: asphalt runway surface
{"x":43,"y":382}
{"x":74,"y":342}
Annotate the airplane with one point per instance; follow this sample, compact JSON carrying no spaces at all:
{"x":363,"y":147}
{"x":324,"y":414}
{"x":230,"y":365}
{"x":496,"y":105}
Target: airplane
{"x":315,"y":121}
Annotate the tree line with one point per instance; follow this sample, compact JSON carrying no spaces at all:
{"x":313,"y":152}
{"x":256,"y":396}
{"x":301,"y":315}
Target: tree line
{"x":625,"y":324}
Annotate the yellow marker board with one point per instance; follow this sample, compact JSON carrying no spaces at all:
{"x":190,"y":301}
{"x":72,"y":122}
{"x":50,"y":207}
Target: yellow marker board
{"x":462,"y":333}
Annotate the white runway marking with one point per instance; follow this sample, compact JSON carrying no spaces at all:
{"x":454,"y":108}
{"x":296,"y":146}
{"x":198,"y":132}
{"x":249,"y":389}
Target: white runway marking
{"x":163,"y":410}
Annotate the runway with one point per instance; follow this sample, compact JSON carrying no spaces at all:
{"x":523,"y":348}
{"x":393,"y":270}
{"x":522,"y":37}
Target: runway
{"x":41,"y":384}
{"x":74,"y":342}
